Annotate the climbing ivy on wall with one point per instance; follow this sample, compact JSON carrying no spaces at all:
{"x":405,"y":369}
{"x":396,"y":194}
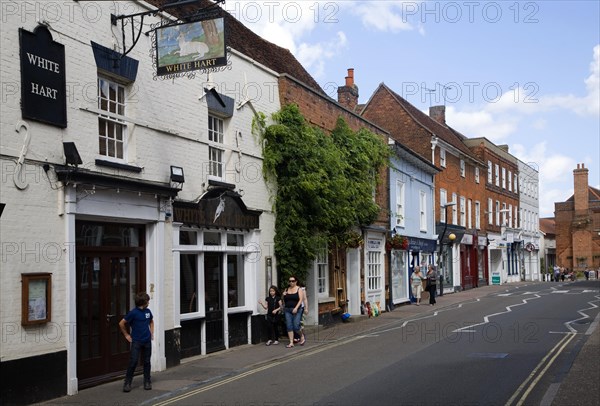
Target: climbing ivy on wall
{"x":323,"y":184}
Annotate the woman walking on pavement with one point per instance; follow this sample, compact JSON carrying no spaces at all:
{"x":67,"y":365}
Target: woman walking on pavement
{"x":417,"y":284}
{"x":293,"y":297}
{"x":431,"y":284}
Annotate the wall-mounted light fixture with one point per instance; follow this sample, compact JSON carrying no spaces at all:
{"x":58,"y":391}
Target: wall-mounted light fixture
{"x":177,"y":174}
{"x":71,"y":154}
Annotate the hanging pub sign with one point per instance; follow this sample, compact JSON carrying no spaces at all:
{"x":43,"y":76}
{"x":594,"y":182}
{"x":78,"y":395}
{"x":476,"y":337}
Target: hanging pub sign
{"x":43,"y":79}
{"x":193,"y":46}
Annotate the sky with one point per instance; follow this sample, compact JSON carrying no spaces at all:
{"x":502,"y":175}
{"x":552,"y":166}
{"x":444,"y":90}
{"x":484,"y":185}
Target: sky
{"x":521,"y":73}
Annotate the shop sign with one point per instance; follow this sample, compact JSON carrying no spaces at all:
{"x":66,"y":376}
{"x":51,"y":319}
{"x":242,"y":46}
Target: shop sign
{"x":43,"y":79}
{"x":373,"y":244}
{"x":421,"y":244}
{"x":495,"y":278}
{"x":193,"y":46}
{"x":467,"y":239}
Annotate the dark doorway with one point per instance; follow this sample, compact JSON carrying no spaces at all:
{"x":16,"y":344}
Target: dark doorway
{"x":213,"y":296}
{"x":110,"y":270}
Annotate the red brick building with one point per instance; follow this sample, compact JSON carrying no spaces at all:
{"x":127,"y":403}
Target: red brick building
{"x":578,"y":225}
{"x":500,"y":210}
{"x":459,"y":182}
{"x":346,"y":269}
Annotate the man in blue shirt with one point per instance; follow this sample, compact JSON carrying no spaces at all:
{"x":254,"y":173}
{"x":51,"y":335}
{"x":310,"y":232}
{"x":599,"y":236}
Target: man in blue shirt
{"x":138,"y":328}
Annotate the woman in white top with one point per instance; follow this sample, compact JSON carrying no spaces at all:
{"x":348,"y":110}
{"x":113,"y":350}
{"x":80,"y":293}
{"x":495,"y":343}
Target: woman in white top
{"x":417,"y":284}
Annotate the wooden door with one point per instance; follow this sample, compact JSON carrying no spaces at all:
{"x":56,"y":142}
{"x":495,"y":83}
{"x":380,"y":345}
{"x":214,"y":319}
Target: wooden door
{"x":107,"y":278}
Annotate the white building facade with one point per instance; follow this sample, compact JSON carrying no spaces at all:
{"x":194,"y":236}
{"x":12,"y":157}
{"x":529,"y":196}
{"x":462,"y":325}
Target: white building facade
{"x":529,"y":216}
{"x":132,"y":184}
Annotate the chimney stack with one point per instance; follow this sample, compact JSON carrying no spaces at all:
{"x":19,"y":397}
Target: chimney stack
{"x":348,"y":94}
{"x":581,"y":196}
{"x":438,"y":113}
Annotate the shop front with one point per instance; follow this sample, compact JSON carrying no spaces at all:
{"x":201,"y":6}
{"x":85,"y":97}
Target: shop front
{"x":374,"y":270}
{"x":482,"y":260}
{"x":118,"y":226}
{"x":216,"y":251}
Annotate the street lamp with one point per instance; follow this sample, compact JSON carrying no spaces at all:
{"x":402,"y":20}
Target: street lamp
{"x":445,"y":206}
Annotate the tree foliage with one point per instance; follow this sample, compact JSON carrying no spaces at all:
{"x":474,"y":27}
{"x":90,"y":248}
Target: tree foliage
{"x":323,"y":184}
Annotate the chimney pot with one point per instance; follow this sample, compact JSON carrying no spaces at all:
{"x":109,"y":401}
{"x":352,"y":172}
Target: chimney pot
{"x":348,"y":94}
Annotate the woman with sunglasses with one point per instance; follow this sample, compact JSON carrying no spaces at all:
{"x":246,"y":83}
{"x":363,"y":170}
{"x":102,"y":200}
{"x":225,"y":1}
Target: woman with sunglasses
{"x":293,"y":297}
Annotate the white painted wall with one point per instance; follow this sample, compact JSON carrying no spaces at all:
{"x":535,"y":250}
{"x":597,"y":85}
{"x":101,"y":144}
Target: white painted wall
{"x":167,"y":126}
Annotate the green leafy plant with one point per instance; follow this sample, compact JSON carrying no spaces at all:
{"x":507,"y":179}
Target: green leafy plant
{"x":351,"y":239}
{"x":322,"y":184}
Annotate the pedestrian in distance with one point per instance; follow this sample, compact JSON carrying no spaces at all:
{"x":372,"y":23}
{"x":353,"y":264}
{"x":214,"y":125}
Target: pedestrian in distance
{"x":417,"y":284}
{"x":431,"y":284}
{"x":272,"y":304}
{"x":138,"y":328}
{"x":293,"y":297}
{"x":556,"y":273}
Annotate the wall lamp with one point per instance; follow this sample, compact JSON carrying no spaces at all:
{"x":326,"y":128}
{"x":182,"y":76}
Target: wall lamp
{"x":177,"y":174}
{"x":71,"y":154}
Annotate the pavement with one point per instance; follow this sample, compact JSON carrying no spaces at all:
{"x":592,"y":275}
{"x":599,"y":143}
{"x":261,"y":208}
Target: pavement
{"x":580,"y":385}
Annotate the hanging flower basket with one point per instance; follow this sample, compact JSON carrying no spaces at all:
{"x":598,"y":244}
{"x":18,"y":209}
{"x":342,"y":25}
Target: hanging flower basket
{"x":397,"y":242}
{"x":353,"y":239}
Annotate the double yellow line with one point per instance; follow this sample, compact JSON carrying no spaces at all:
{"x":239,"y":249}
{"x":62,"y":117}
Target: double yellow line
{"x":273,"y":364}
{"x":534,"y":377}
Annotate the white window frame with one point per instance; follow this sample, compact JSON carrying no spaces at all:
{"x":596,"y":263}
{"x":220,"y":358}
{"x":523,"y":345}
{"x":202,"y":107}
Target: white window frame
{"x":198,"y":249}
{"x":215,"y":162}
{"x":498,"y":213}
{"x":510,"y":188}
{"x":463,"y":211}
{"x":469,"y":214}
{"x":443,"y":201}
{"x":374,"y":271}
{"x":454,"y":210}
{"x":423,"y":210}
{"x":463,"y":170}
{"x":477,"y":174}
{"x":497,"y":173}
{"x":216,"y":151}
{"x":489,"y":174}
{"x":322,"y":272}
{"x":503,"y":178}
{"x":112,"y":115}
{"x":442,"y":157}
{"x":400,"y":203}
{"x":216,"y":129}
{"x":477,"y":215}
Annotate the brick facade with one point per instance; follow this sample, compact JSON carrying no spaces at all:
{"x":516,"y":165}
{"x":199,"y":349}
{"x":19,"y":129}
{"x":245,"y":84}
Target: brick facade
{"x":322,"y":112}
{"x":577,"y":225}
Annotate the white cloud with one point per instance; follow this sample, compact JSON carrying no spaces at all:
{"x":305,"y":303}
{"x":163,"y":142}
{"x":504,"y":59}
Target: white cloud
{"x":287,"y":23}
{"x":481,"y":123}
{"x":313,"y":56}
{"x":528,"y":100}
{"x":389,"y":16}
{"x":555,"y":172}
